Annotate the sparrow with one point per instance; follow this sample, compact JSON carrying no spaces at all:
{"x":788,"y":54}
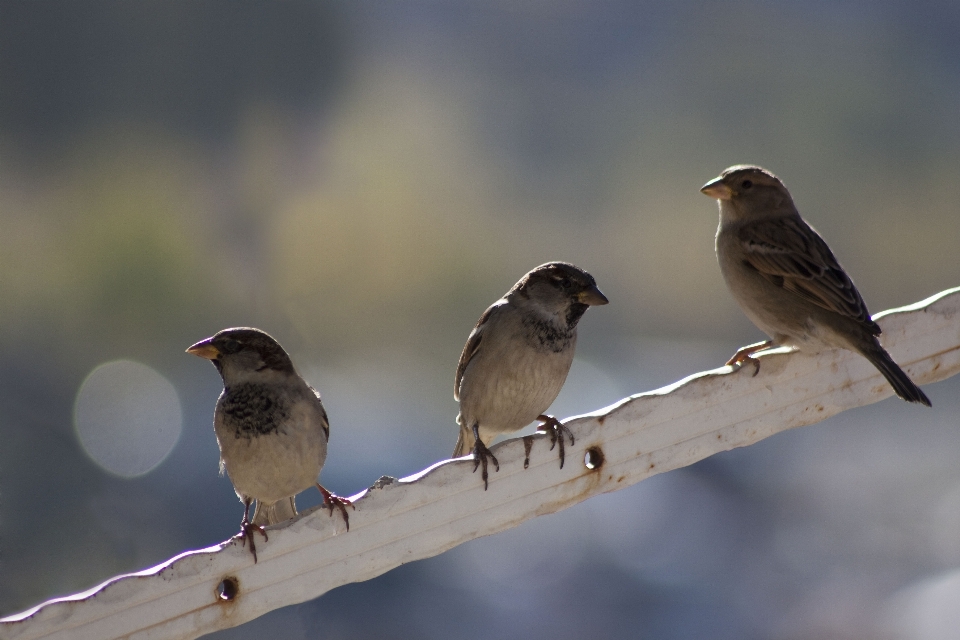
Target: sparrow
{"x":517,"y":358}
{"x":786,"y":279}
{"x":270,"y":425}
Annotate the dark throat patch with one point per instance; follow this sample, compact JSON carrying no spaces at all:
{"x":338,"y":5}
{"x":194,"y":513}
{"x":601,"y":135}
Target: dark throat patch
{"x":253,"y":410}
{"x":548,"y":335}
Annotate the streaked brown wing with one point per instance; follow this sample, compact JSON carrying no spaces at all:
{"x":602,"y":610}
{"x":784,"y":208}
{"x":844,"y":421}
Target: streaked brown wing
{"x":791,"y":254}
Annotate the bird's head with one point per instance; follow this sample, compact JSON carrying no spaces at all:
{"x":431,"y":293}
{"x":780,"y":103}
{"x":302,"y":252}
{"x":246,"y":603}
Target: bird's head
{"x":559,"y":288}
{"x":748,"y":192}
{"x":243,"y":351}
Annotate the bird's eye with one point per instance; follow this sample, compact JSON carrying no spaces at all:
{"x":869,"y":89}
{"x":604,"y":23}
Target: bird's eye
{"x":230,"y":346}
{"x":565,"y":283}
{"x":746,"y":184}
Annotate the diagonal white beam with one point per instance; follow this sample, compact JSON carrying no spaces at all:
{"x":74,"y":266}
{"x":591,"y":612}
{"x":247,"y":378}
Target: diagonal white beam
{"x":396,"y":522}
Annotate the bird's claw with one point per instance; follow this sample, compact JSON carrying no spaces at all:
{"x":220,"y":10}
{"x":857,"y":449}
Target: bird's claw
{"x":247,"y":530}
{"x":480,"y":455}
{"x":745,"y":354}
{"x":738,"y":360}
{"x":556,"y":430}
{"x":331,"y":500}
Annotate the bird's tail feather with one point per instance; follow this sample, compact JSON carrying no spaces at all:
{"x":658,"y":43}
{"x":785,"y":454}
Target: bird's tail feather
{"x":902,"y":385}
{"x":279,"y":511}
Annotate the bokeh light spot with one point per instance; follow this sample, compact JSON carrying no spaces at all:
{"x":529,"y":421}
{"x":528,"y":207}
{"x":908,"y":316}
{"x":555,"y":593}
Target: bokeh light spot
{"x":127,"y":417}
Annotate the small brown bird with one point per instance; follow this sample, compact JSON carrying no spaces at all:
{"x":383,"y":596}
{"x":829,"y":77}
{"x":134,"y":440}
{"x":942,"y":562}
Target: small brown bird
{"x":270,"y":425}
{"x":517,"y":358}
{"x":787,"y":280}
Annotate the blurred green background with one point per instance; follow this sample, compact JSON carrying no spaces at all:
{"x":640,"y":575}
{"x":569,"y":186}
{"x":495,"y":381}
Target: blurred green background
{"x":361,"y":179}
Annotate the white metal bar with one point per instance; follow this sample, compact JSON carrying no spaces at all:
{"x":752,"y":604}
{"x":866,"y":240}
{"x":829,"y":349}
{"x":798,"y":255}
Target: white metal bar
{"x":445,"y":505}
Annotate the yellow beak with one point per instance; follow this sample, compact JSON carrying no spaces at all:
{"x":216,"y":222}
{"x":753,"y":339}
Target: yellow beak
{"x":717,"y":189}
{"x":204,"y":349}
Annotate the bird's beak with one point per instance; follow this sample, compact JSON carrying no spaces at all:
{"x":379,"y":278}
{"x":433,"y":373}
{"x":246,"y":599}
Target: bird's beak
{"x":205,"y":349}
{"x":592,"y":296}
{"x":716,"y":188}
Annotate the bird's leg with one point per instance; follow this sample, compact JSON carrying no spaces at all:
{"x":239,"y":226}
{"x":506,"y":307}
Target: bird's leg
{"x":331,"y":500}
{"x":556,"y":430}
{"x":480,"y":455}
{"x":247,"y":529}
{"x":745,"y":354}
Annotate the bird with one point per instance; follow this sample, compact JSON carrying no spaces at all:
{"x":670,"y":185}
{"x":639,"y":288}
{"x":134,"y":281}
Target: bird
{"x":517,"y":358}
{"x":787,"y":280}
{"x":271,"y":428}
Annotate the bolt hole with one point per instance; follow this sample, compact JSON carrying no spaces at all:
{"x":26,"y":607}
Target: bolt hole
{"x":228,"y":589}
{"x":593,"y":459}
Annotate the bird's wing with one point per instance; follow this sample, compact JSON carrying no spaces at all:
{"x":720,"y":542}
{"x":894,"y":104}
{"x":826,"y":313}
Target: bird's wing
{"x":792,"y":255}
{"x":473,"y":344}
